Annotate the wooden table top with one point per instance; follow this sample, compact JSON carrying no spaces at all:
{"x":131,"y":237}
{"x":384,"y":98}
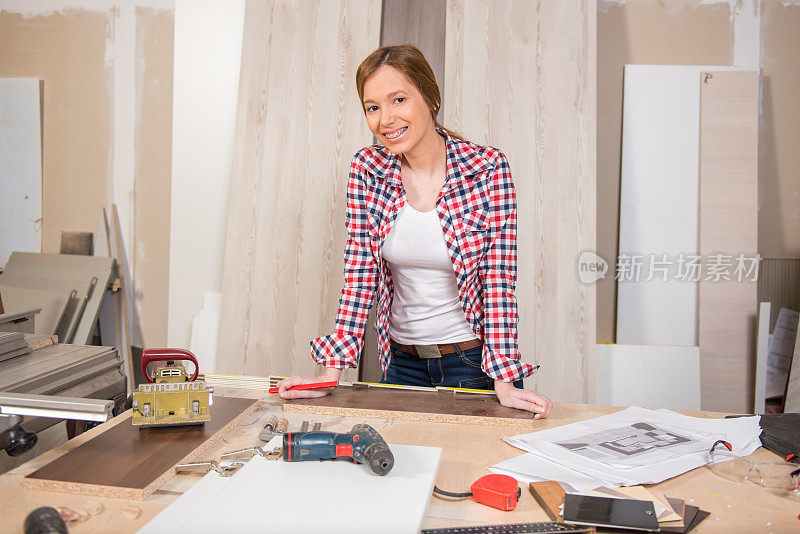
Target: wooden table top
{"x":468,"y":450}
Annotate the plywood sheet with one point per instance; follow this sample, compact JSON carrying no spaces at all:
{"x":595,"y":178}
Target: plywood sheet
{"x":81,"y":269}
{"x":52,"y":303}
{"x":728,"y":228}
{"x":412,"y":405}
{"x":650,"y":376}
{"x":523,"y":79}
{"x":20,"y":166}
{"x":792,"y":398}
{"x":130,"y":463}
{"x":299,"y":123}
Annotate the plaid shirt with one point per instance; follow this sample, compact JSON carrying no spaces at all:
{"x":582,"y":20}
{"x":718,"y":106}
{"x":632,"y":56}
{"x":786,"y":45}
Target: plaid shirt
{"x":478,"y":212}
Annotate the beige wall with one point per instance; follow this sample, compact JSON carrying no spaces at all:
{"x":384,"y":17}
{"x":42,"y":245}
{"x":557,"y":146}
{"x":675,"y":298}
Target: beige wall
{"x":779,"y":157}
{"x":72,"y":51}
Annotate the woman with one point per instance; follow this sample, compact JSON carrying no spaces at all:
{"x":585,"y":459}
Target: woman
{"x":431,"y":225}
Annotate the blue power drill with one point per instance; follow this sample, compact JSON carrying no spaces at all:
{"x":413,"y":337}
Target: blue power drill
{"x":362,"y":445}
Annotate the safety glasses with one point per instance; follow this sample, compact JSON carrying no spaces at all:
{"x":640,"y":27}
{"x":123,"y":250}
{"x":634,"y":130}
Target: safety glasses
{"x":782,"y":475}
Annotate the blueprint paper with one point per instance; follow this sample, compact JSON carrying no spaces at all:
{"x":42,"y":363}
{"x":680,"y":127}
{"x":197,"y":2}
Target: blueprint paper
{"x":675,"y":459}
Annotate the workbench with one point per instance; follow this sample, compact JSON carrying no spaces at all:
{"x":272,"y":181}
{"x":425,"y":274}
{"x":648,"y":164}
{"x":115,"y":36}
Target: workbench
{"x":467,"y":451}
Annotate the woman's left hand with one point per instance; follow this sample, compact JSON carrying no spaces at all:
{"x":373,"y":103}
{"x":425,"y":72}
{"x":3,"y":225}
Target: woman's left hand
{"x":522,"y":399}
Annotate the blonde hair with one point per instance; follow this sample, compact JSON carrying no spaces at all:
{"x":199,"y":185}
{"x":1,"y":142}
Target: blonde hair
{"x":409,"y":60}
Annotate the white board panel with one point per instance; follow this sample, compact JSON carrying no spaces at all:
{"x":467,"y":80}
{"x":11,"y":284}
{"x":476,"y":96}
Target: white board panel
{"x":659,"y":200}
{"x":648,"y":376}
{"x":20,"y":167}
{"x":276,"y":496}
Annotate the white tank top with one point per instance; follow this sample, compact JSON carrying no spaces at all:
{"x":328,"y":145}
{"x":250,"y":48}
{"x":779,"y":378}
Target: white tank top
{"x":425,"y":309}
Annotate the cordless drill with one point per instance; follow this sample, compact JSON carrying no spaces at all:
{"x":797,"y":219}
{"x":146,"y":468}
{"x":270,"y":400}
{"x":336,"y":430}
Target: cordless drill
{"x":362,"y":444}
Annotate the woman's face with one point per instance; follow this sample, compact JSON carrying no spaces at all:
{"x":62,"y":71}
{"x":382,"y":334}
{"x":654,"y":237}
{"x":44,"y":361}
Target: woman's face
{"x":396,"y":112}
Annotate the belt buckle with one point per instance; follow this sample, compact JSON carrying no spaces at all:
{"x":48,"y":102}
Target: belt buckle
{"x":428,"y":351}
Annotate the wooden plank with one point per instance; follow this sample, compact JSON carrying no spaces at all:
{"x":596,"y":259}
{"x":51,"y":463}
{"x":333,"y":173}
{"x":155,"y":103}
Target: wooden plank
{"x":130,"y":463}
{"x":286,"y":236}
{"x":411,"y":405}
{"x":122,"y":268}
{"x":791,"y":402}
{"x":728,"y":227}
{"x":420,"y":23}
{"x":762,"y":354}
{"x":523,"y":79}
{"x":550,"y":496}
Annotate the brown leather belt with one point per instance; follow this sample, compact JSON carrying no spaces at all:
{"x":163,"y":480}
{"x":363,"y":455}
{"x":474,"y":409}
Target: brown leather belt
{"x":436,"y":351}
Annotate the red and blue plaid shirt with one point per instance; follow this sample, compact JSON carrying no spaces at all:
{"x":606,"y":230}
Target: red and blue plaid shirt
{"x":478,"y":212}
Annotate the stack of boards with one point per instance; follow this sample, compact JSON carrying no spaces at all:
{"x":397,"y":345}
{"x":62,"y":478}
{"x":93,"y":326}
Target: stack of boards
{"x":69,"y":289}
{"x":12,"y":344}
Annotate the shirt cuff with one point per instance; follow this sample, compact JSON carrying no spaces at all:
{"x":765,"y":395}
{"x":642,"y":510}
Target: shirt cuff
{"x":336,"y":350}
{"x":505,"y":368}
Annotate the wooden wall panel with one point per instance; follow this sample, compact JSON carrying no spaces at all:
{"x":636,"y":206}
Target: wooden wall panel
{"x":728,"y":227}
{"x":421,"y":23}
{"x":521,"y":76}
{"x":299,"y":123}
{"x":779,"y":283}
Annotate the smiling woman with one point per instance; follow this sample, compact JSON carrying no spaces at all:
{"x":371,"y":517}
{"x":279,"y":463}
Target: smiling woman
{"x":432,"y":229}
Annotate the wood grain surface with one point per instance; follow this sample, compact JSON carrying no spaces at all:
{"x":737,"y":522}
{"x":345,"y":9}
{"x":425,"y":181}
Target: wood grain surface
{"x":130,"y":463}
{"x":412,"y":405}
{"x":467,"y":450}
{"x":521,"y":76}
{"x":299,"y":123}
{"x":728,"y":227}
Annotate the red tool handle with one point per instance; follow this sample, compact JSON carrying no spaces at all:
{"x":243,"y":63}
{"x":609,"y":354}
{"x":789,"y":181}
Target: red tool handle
{"x":313,"y":385}
{"x":163,"y":355}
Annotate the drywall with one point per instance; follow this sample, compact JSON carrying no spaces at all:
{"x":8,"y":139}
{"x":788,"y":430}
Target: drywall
{"x":208,"y":49}
{"x":104,"y":67}
{"x":153,"y":160}
{"x":779,"y":133}
{"x":20,"y":167}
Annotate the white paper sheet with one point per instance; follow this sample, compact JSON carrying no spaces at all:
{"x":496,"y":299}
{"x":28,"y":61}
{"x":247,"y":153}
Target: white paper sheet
{"x":299,"y":497}
{"x":742,"y":433}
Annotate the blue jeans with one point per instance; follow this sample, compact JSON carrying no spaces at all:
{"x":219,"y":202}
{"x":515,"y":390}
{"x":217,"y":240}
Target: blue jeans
{"x":461,"y":369}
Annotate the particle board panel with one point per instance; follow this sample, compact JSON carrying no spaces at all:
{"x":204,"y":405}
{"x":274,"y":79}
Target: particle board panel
{"x":411,"y":405}
{"x":523,"y":79}
{"x":728,"y":227}
{"x":130,"y":463}
{"x":299,"y":123}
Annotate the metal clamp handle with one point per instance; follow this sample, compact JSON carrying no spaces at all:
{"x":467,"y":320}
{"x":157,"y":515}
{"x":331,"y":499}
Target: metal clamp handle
{"x":164,"y":355}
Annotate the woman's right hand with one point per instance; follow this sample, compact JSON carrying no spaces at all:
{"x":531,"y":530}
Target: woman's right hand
{"x":331,"y":374}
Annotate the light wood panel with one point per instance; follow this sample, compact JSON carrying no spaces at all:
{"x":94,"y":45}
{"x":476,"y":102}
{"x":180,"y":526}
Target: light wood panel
{"x":728,"y":227}
{"x":299,"y":123}
{"x":421,"y":23}
{"x":734,"y":507}
{"x":521,"y":77}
